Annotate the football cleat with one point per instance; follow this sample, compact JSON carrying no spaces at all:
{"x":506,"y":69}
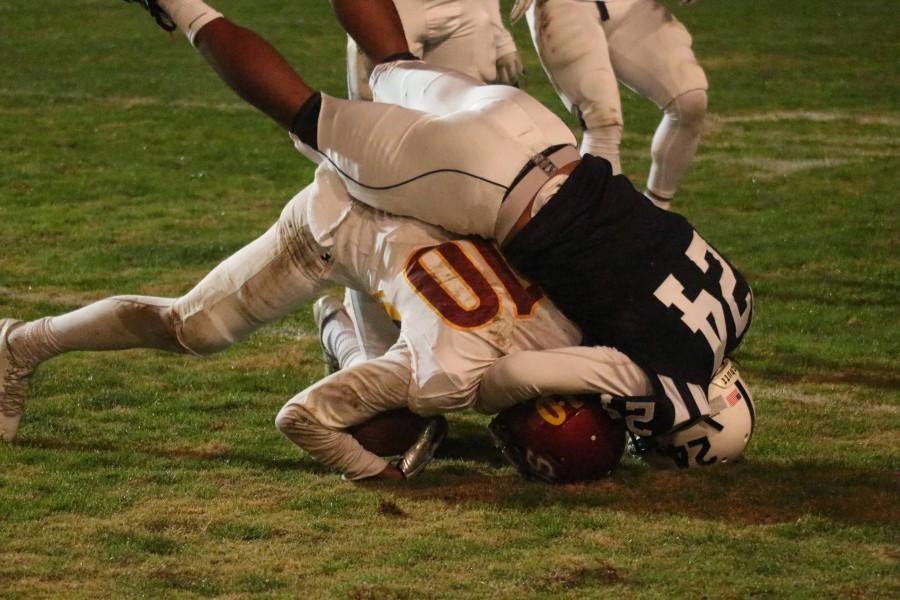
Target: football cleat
{"x":159,"y":15}
{"x":13,"y":384}
{"x":422,"y":451}
{"x":324,"y":309}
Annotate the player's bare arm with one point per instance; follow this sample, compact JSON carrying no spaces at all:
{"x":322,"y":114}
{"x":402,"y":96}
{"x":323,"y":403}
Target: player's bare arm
{"x":374,"y":25}
{"x":254,"y":69}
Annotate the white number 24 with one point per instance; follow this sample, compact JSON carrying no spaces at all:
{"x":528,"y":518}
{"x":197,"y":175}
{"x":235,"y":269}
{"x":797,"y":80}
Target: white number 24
{"x":696,"y":312}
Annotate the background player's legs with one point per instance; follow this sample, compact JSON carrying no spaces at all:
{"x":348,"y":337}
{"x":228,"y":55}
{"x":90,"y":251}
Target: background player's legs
{"x":651,"y":53}
{"x":675,"y":144}
{"x":573,"y":49}
{"x":460,"y":36}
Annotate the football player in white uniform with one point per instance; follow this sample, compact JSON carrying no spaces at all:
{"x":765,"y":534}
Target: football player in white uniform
{"x":585,"y":46}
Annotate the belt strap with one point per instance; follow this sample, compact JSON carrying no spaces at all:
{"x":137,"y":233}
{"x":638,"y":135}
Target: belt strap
{"x":543,"y":167}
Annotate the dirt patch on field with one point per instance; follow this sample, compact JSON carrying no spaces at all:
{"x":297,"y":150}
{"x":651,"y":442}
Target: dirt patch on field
{"x":578,"y":576}
{"x":389,"y":509}
{"x":205,"y":451}
{"x":383,"y":592}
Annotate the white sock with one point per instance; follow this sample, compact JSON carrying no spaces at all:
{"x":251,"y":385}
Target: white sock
{"x":339,"y":339}
{"x":33,"y":343}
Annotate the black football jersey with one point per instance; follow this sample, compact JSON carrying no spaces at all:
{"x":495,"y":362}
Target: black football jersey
{"x":636,"y":278}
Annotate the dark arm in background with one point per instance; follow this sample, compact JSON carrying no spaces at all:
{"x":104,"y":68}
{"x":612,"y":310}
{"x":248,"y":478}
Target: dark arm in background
{"x":260,"y":75}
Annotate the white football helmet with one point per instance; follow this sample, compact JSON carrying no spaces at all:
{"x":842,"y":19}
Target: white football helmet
{"x":716,"y":439}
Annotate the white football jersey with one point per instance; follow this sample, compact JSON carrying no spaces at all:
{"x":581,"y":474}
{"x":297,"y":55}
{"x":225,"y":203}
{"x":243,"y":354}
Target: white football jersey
{"x":459,"y":304}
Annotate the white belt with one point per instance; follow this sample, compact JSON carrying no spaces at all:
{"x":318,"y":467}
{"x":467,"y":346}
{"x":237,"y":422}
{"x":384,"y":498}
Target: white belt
{"x":519,"y":197}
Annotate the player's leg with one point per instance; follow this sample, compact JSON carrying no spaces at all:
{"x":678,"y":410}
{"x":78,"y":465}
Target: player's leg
{"x":374,"y":329}
{"x":675,"y":144}
{"x":263,"y":281}
{"x":337,"y":335}
{"x":651,"y":53}
{"x":572,"y":46}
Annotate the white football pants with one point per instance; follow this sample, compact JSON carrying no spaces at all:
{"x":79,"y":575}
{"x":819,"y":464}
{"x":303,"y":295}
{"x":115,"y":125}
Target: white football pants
{"x":646,"y":48}
{"x":445,"y":150}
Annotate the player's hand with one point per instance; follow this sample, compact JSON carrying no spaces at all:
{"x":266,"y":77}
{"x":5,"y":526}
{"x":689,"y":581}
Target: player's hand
{"x":519,"y":9}
{"x":509,"y":68}
{"x":390,"y":473}
{"x":159,"y":15}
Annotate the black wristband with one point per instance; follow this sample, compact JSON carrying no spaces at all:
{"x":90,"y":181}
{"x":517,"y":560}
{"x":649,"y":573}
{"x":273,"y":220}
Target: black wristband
{"x":305,"y":124}
{"x":400,"y":56}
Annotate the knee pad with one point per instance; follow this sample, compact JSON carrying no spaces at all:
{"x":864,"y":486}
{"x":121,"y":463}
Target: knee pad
{"x":200,"y":334}
{"x":288,"y":419}
{"x":689,"y":108}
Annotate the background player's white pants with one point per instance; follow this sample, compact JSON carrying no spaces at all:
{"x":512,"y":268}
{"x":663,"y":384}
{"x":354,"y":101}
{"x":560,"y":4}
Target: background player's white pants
{"x":456,"y":34}
{"x":447,"y":156}
{"x":647,"y":49}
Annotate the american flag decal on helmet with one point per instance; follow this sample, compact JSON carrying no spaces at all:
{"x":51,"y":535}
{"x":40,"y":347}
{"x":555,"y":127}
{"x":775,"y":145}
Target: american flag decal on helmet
{"x":733,"y":398}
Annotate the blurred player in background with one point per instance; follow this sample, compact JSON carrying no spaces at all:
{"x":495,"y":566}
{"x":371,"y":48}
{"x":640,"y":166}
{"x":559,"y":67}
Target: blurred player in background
{"x":585,"y":46}
{"x":466,"y":35}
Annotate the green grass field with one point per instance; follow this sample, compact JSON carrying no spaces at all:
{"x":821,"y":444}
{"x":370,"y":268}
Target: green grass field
{"x":127,"y":167}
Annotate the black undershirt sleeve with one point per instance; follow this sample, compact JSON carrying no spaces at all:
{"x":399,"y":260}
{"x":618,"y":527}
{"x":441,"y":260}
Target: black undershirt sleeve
{"x":305,"y":124}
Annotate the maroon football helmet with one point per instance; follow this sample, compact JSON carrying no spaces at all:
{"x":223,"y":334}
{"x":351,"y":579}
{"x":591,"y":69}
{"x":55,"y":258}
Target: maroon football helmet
{"x":560,"y":439}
